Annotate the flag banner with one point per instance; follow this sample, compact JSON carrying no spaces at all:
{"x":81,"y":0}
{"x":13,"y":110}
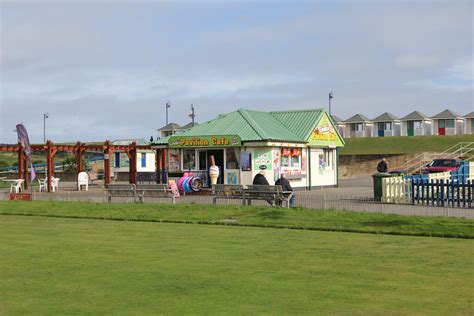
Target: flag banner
{"x":25,"y":143}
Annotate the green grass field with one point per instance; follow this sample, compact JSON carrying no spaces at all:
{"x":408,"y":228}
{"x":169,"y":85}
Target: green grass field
{"x":135,"y":264}
{"x":259,"y":216}
{"x":402,"y":145}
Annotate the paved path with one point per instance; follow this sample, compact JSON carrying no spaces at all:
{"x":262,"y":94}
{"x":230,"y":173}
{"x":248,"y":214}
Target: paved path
{"x":354,"y":194}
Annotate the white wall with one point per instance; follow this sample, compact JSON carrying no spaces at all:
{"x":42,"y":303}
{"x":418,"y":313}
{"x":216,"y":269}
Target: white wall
{"x":468,"y":126}
{"x":322,"y":176}
{"x":150,"y":162}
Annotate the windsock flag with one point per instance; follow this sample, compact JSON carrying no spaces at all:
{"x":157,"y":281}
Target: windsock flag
{"x":25,"y":143}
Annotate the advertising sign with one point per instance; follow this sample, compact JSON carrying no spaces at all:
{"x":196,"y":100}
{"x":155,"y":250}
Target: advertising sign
{"x":20,"y":197}
{"x":262,"y":159}
{"x":324,"y":134}
{"x":246,"y":161}
{"x":204,"y":141}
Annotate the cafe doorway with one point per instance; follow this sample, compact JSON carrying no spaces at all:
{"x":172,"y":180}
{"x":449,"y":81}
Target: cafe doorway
{"x":219,"y":159}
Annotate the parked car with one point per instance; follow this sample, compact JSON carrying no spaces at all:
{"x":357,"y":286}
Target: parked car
{"x":443,"y":165}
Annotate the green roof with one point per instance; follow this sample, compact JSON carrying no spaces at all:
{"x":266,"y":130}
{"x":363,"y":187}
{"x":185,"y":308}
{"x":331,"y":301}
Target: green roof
{"x":249,"y":125}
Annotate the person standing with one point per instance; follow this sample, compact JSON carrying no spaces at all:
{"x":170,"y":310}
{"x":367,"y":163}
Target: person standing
{"x":382,"y":166}
{"x":286,"y":186}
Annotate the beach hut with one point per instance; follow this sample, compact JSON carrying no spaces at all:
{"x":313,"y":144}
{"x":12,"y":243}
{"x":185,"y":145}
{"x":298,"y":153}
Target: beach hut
{"x":448,"y":123}
{"x":416,"y":124}
{"x":387,"y":124}
{"x":358,"y":126}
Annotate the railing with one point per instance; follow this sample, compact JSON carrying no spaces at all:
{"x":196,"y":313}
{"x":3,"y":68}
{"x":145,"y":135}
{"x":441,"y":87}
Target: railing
{"x":462,"y":149}
{"x":443,"y":193}
{"x":59,"y":165}
{"x":435,"y":188}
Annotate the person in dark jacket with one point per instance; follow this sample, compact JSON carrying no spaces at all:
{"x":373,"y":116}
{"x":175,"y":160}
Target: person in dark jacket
{"x":286,"y":186}
{"x":382,"y":166}
{"x":260,"y":179}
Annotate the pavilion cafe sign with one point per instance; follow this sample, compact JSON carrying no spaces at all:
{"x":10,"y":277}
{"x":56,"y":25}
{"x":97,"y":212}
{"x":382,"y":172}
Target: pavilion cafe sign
{"x":204,"y":141}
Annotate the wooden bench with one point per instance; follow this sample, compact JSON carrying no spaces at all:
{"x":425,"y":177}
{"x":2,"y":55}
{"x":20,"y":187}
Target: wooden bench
{"x":273,"y":194}
{"x":121,"y":190}
{"x":227,"y":191}
{"x":154,"y":191}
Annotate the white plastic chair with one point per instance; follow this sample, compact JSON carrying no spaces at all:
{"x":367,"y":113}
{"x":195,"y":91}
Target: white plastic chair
{"x":82,"y":179}
{"x":17,"y":186}
{"x":55,"y":184}
{"x":43,"y":185}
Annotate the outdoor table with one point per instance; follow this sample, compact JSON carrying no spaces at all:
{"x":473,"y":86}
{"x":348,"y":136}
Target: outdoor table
{"x":15,"y":184}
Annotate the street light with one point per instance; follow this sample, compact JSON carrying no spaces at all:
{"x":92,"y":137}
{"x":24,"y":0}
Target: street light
{"x":330,"y":97}
{"x":168,"y":105}
{"x":45,"y":116}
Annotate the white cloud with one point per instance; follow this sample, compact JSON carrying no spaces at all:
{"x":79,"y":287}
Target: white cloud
{"x":416,"y":61}
{"x":456,"y":78}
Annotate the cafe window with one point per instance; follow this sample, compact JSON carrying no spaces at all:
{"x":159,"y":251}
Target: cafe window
{"x":328,"y":158}
{"x":189,"y":159}
{"x":231,"y":160}
{"x":291,"y":158}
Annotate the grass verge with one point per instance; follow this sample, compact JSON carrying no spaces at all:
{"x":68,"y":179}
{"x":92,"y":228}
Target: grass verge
{"x":401,"y":145}
{"x":256,"y":216}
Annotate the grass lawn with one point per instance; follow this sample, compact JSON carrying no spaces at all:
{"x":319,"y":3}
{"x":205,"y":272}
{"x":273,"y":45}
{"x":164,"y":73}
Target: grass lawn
{"x":259,"y":216}
{"x":402,"y":145}
{"x":65,"y":266}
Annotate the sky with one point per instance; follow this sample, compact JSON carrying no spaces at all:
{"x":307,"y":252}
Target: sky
{"x":105,"y":69}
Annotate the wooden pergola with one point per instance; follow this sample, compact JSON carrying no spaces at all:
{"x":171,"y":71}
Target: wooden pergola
{"x":78,"y":150}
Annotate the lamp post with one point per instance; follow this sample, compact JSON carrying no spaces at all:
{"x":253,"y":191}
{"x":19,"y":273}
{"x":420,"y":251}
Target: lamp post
{"x":330,"y":97}
{"x":168,"y":105}
{"x":45,"y":116}
{"x":192,"y":115}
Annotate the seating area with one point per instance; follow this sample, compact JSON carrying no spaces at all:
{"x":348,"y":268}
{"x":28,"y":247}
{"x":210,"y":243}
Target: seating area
{"x":273,"y":194}
{"x":43,"y":185}
{"x":139,"y":192}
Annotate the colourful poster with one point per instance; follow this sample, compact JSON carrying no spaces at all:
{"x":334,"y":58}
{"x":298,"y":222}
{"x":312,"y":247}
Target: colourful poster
{"x":232,"y":177}
{"x":246,"y":161}
{"x":262,"y":159}
{"x":276,"y":164}
{"x":325,"y":134}
{"x":304,"y":161}
{"x":174,"y":160}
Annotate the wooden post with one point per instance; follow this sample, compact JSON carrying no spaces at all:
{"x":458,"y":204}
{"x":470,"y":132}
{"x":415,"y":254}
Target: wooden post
{"x":21,"y":165}
{"x":107,"y":153}
{"x":50,"y":152}
{"x":79,"y":150}
{"x":164,"y":176}
{"x":25,"y":170}
{"x":158,"y":165}
{"x":132,"y":156}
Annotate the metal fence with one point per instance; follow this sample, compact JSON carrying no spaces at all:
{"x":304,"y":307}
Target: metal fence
{"x":302,"y":199}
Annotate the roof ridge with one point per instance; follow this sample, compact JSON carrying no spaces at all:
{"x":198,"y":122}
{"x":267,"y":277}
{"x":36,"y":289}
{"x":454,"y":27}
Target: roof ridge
{"x":252,"y":123}
{"x":296,"y":110}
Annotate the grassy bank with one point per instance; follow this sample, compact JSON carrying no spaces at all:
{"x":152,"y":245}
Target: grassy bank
{"x":59,"y":266}
{"x":259,"y":216}
{"x":402,"y":145}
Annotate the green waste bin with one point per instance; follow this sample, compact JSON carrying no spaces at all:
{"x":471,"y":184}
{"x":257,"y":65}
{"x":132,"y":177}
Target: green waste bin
{"x":378,"y":183}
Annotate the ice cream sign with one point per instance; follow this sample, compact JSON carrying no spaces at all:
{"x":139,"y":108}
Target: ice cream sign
{"x":324,"y":134}
{"x":204,"y":141}
{"x":263,"y":159}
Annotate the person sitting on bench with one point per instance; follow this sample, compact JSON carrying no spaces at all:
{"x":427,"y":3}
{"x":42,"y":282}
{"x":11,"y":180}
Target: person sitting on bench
{"x":286,"y":186}
{"x":260,"y":179}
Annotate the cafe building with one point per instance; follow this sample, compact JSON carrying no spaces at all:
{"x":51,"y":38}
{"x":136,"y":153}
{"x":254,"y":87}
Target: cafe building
{"x":302,"y":144}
